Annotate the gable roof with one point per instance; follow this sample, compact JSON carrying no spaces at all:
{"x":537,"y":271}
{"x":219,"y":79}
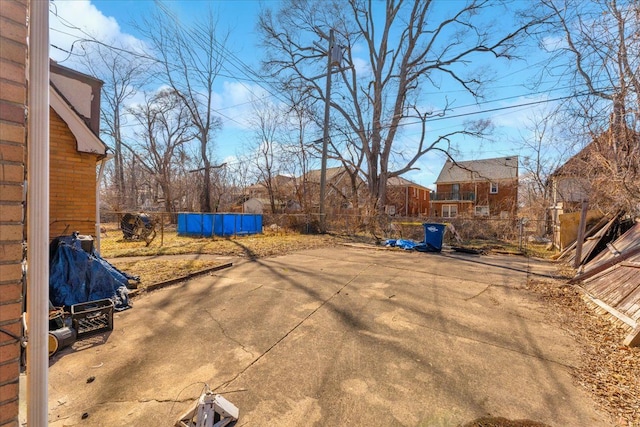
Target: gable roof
{"x":314,"y":174}
{"x":398,"y":181}
{"x":495,"y":169}
{"x":86,"y":140}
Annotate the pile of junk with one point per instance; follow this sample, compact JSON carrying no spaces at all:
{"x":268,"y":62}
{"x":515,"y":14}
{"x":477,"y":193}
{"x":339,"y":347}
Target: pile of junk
{"x":84,"y":291}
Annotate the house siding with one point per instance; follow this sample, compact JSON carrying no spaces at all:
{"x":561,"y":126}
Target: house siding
{"x":72,"y":174}
{"x":13,"y":100}
{"x":505,"y":200}
{"x":409,"y":200}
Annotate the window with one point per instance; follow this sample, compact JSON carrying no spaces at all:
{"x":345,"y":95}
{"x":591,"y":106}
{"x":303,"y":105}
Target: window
{"x":482,"y":210}
{"x":494,"y":188}
{"x":449,"y":211}
{"x":455,"y":192}
{"x":424,"y":195}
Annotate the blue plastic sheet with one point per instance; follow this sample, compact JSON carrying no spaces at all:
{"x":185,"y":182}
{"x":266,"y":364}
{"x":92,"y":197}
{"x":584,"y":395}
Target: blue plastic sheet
{"x":411,"y":245}
{"x":77,"y":276}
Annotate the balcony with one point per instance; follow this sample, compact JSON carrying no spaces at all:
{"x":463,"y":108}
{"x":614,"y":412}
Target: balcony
{"x":454,"y":197}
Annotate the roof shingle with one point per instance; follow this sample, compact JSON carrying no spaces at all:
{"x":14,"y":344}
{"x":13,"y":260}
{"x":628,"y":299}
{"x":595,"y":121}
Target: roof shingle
{"x":479,"y":170}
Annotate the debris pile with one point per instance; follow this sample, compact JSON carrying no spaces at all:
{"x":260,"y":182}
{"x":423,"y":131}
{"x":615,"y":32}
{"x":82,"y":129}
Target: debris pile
{"x":78,"y":274}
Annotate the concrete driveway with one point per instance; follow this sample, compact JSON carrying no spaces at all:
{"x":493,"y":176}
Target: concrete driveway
{"x":336,"y":336}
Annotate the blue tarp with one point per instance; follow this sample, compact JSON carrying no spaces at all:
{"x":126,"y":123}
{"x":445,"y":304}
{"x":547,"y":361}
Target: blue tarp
{"x":410,"y":245}
{"x":77,"y":276}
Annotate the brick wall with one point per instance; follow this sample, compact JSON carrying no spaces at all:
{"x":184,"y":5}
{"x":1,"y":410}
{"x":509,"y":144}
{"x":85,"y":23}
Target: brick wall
{"x":13,"y":98}
{"x":503,"y":201}
{"x":409,"y":200}
{"x":72,"y":185}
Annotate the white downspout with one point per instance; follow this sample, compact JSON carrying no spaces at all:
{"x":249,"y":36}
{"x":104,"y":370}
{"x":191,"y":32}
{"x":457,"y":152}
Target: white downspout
{"x":98,"y":181}
{"x":38,"y":216}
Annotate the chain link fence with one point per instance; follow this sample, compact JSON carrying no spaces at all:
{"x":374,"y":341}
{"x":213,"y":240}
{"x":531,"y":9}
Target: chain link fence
{"x":479,"y":231}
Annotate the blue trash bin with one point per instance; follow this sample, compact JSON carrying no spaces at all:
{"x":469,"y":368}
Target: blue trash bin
{"x":433,"y":235}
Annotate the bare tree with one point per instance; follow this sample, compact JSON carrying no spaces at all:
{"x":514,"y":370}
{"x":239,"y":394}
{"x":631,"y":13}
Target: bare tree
{"x":407,"y":46}
{"x":191,"y":57}
{"x":298,"y":151}
{"x":268,"y":123}
{"x":596,"y":47}
{"x":548,"y":148}
{"x":166,"y":128}
{"x":123,"y":73}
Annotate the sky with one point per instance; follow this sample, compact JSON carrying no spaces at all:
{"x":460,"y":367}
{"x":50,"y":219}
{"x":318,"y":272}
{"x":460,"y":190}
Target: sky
{"x":112,"y":20}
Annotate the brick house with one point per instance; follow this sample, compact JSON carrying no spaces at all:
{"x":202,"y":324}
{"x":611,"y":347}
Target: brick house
{"x":340,"y":191}
{"x":406,"y":198}
{"x":487,"y":188}
{"x":74,"y":151}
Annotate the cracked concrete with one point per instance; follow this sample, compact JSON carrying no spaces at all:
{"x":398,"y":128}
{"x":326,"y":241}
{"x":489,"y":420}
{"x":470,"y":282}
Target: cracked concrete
{"x":336,"y":336}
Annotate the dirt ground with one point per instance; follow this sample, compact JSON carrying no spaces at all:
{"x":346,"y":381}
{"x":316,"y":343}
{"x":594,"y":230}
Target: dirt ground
{"x":610,"y":371}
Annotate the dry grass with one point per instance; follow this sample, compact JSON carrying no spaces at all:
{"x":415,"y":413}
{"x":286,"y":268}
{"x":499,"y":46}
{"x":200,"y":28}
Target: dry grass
{"x":609,"y":370}
{"x":150,"y":271}
{"x":255,"y":246}
{"x":158,"y":271}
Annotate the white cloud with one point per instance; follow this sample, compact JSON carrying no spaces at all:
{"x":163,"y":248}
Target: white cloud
{"x":553,"y":43}
{"x":234,"y":102}
{"x":73,"y":21}
{"x":363,"y":68}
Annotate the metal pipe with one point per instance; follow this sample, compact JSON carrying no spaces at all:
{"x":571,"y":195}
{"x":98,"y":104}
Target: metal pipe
{"x":98,"y":180}
{"x":38,"y":216}
{"x":104,"y":160}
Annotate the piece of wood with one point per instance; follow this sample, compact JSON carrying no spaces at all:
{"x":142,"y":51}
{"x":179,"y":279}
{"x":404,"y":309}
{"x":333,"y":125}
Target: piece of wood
{"x":633,"y":339}
{"x":619,"y":315}
{"x":605,"y":265}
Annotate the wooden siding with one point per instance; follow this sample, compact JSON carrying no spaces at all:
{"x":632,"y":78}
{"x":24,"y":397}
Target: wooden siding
{"x":619,"y":285}
{"x":13,"y":100}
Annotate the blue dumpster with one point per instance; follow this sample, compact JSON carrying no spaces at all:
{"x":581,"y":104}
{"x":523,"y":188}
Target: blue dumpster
{"x":219,"y":224}
{"x":433,"y":235}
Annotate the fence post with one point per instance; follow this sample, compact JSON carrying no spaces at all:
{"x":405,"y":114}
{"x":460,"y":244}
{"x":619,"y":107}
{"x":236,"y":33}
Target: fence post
{"x":520,"y":233}
{"x":161,"y":228}
{"x":581,"y":230}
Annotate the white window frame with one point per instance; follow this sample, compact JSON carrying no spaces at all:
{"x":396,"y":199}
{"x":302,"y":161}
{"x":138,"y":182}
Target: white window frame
{"x":450,"y":213}
{"x":481,"y":210}
{"x":493,"y":189}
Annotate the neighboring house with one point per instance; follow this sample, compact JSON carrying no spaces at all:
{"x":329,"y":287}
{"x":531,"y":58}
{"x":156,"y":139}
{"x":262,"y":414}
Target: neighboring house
{"x":588,"y":176}
{"x":567,"y":188}
{"x":568,"y":185}
{"x":282,"y":184}
{"x":485,"y":188}
{"x":257,"y":198}
{"x":258,"y":205}
{"x":339,"y":191}
{"x":291,"y":193}
{"x":406,"y":198}
{"x":75,"y":151}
